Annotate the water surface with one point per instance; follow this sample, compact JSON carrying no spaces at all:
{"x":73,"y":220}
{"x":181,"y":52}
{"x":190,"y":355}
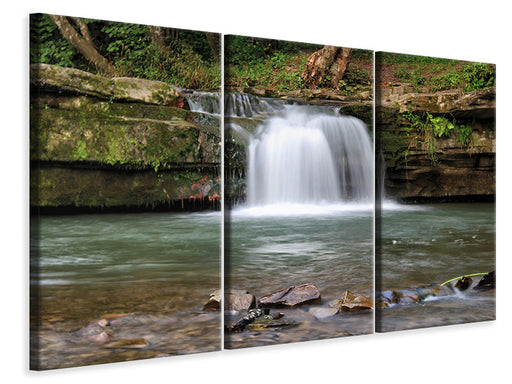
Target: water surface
{"x":332,"y":250}
{"x":419,"y":245}
{"x":150,"y":272}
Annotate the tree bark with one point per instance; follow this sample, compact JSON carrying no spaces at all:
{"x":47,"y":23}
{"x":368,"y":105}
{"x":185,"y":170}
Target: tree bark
{"x":82,"y":43}
{"x":160,"y":36}
{"x":328,"y":61}
{"x":213,"y":41}
{"x":340,"y":66}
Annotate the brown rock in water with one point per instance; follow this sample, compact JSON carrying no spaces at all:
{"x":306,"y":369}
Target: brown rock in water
{"x":101,"y":338}
{"x":292,"y":296}
{"x":127,"y":343}
{"x":213,"y":303}
{"x":408,"y":297}
{"x":236,"y":299}
{"x":240,"y":300}
{"x":354,"y":302}
{"x":487,"y":281}
{"x":463,"y":283}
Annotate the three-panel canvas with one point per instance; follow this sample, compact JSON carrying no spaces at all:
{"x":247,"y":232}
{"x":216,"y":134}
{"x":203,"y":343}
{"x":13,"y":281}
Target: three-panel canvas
{"x":193,"y":192}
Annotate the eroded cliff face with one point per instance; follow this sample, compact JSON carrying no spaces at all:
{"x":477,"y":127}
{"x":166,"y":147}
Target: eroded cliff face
{"x":423,"y":167}
{"x":102,"y":144}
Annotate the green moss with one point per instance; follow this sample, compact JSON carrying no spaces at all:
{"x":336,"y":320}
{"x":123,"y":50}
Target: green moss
{"x":57,"y":187}
{"x":100,"y":136}
{"x":395,"y":146}
{"x":363,"y":112}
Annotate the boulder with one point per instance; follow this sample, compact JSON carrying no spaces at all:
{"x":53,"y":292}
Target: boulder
{"x":236,"y":299}
{"x":240,"y":300}
{"x":463,"y":283}
{"x":74,"y":81}
{"x":214,"y":302}
{"x":354,"y":302}
{"x":292,"y":296}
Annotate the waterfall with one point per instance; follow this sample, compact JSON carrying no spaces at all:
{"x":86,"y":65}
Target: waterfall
{"x":244,"y":105}
{"x":204,"y":102}
{"x":308,"y":157}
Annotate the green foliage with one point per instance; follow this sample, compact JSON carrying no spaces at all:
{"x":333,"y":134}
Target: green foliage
{"x":189,"y":62}
{"x":402,"y":73}
{"x":246,"y":50}
{"x":436,"y":127}
{"x":48,"y":46}
{"x":398,"y":58}
{"x":354,"y":76}
{"x":479,"y":76}
{"x":471,"y":77}
{"x":465,"y":135}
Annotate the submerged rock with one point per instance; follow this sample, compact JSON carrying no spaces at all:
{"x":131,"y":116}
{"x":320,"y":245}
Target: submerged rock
{"x":258,"y":319}
{"x":353,"y":302}
{"x":128,"y":343}
{"x":322,"y":313}
{"x":101,"y":338}
{"x":292,"y":296}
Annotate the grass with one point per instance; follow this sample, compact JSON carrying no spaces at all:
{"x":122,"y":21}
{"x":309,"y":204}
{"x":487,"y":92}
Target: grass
{"x":281,"y":72}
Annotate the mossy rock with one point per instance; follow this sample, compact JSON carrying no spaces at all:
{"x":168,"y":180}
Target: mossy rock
{"x":69,"y":80}
{"x":53,"y":187}
{"x":61,"y":135}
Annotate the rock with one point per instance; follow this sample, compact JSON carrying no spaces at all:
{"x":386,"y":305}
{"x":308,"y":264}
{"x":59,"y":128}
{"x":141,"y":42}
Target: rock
{"x":487,"y":282}
{"x":292,"y":296}
{"x":214,"y":302}
{"x":259,"y":319}
{"x":322,"y":313}
{"x":463,"y":283}
{"x":128,"y":343}
{"x":70,"y":80}
{"x":101,"y":338}
{"x":433,"y":291}
{"x":103,"y":322}
{"x":354,"y":302}
{"x":417,"y":171}
{"x":241,"y":325}
{"x":266,"y":322}
{"x":237,"y":300}
{"x":240,"y":300}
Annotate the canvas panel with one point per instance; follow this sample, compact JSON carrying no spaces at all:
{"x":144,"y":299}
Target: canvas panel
{"x":436,"y":184}
{"x":125,"y":191}
{"x":298,"y":192}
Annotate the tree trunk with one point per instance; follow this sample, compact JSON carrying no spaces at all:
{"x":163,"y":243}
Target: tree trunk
{"x":160,"y":36}
{"x":340,"y":66}
{"x":82,"y":43}
{"x":328,"y":61}
{"x":213,"y":41}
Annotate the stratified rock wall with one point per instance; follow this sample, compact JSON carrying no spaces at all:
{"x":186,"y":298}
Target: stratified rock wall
{"x":459,"y":171}
{"x":99,"y":143}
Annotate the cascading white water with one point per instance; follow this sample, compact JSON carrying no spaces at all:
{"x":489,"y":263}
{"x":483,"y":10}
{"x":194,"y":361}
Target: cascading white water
{"x":307,"y":157}
{"x":244,"y":105}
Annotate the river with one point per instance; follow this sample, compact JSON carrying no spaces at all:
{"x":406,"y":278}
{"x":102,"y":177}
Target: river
{"x":148,"y":273}
{"x":421,"y":245}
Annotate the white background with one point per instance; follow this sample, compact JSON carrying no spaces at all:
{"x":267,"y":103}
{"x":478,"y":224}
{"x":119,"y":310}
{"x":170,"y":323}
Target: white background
{"x":471,"y":30}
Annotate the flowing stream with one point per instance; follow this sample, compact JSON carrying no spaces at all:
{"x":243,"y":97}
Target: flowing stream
{"x":149,"y":273}
{"x":422,"y":245}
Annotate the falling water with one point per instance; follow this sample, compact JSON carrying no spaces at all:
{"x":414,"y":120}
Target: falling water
{"x":307,"y":157}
